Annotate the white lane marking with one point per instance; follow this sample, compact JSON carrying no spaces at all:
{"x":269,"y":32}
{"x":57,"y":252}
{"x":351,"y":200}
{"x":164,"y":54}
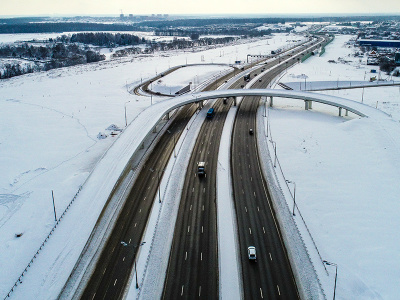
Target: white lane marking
{"x":258,"y":208}
{"x":261,"y":293}
{"x":264,"y":229}
{"x":193,"y":188}
{"x":270,"y":256}
{"x":115,"y":281}
{"x":201,"y":229}
{"x":113,"y":249}
{"x":250,"y":230}
{"x":249,"y":166}
{"x":186,"y":256}
{"x":254,"y":194}
{"x":144,"y":199}
{"x":251,"y":178}
{"x":104,"y":270}
{"x":129,"y":241}
{"x":93,"y":296}
{"x":188,"y":229}
{"x":245,"y":208}
{"x":279,"y":292}
{"x":148,"y":188}
{"x":135,"y":224}
{"x":182,"y":291}
{"x":190,"y":207}
{"x":123,"y":259}
{"x":203,"y":207}
{"x":204,"y":190}
{"x":199,"y":291}
{"x":242,"y":191}
{"x":201,"y":255}
{"x":140,"y":210}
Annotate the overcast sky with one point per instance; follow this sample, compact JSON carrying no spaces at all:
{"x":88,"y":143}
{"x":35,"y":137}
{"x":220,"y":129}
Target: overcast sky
{"x":90,"y":7}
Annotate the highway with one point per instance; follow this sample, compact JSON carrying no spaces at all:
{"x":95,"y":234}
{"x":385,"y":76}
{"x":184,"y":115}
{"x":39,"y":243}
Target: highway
{"x":271,"y":276}
{"x":193,"y":263}
{"x":117,"y":258}
{"x":193,"y":266}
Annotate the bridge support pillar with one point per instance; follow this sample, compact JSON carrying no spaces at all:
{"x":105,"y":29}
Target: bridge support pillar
{"x":200,"y":104}
{"x":340,"y":111}
{"x":309,"y":104}
{"x":347,"y":113}
{"x":234,"y":101}
{"x":155,"y":129}
{"x":142,"y":146}
{"x":271,"y":103}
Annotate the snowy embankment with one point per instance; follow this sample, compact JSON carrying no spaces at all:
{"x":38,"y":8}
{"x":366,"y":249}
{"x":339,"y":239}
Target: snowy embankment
{"x":346,"y":173}
{"x":51,"y":121}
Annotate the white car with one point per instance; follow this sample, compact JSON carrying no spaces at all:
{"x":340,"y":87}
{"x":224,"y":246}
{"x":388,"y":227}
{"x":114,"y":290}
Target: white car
{"x":252,"y":253}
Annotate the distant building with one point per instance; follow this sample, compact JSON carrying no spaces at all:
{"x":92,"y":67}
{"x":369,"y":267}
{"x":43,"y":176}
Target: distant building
{"x":380,"y":43}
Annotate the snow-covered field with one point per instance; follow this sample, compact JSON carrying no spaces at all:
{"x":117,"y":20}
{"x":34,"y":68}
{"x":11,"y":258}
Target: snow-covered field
{"x":345,"y":169}
{"x":50,"y":123}
{"x":170,"y":84}
{"x":346,"y":172}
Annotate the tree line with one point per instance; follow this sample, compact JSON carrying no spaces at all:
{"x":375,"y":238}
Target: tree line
{"x":103,"y":39}
{"x":47,"y":57}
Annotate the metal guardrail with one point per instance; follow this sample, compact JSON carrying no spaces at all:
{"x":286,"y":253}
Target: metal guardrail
{"x":19,"y":280}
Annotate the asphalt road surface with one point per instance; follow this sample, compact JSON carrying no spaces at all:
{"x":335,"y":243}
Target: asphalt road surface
{"x":193,"y":266}
{"x":270,"y":277}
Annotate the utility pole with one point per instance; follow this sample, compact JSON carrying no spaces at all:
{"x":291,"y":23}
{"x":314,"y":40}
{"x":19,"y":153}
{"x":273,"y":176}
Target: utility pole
{"x":54,"y":206}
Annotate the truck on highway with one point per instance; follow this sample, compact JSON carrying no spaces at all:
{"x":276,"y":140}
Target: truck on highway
{"x":201,"y":168}
{"x":210,"y":113}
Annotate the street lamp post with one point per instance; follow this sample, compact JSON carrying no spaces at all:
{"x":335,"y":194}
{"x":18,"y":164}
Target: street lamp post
{"x":126,"y":122}
{"x":134,"y":262}
{"x":159,"y":186}
{"x":159,"y":182}
{"x":335,"y":265}
{"x":294,"y":194}
{"x":174,"y":140}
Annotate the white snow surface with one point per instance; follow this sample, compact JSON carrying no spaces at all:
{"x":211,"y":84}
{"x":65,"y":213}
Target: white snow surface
{"x":345,"y":168}
{"x":50,"y":122}
{"x":173,"y":82}
{"x":346,"y":172}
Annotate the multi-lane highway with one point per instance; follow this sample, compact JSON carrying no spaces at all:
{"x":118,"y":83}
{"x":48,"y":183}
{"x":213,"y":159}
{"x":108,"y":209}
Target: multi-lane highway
{"x":271,"y":276}
{"x":193,"y":264}
{"x":115,"y":264}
